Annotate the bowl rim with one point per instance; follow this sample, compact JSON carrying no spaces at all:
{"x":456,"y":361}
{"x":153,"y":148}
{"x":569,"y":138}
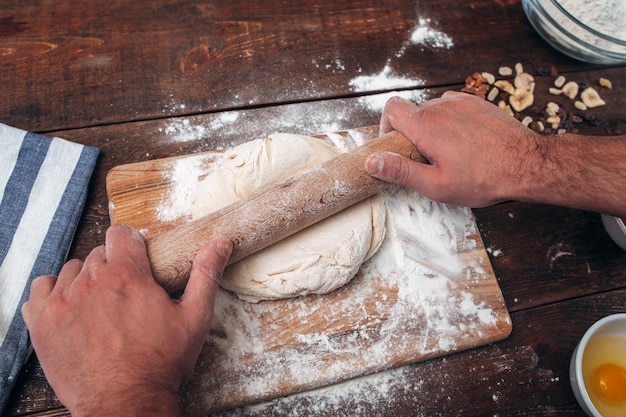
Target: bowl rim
{"x":580,"y":351}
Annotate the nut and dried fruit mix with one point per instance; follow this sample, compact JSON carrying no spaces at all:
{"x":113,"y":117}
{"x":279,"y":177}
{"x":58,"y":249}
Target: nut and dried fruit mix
{"x":514,"y":92}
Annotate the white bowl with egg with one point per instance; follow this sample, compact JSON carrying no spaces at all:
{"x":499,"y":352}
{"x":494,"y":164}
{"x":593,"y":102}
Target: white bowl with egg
{"x":598,"y":368}
{"x":616,"y":228}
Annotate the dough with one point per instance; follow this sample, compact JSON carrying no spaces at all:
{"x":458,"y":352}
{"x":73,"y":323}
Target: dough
{"x":316,"y":260}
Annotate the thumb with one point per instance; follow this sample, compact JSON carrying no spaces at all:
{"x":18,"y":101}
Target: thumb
{"x":391,"y":167}
{"x":206,"y":272}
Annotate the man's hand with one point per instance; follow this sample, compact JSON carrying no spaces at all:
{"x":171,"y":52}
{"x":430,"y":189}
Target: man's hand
{"x":476,"y":151}
{"x":479,"y":155}
{"x":110,"y":339}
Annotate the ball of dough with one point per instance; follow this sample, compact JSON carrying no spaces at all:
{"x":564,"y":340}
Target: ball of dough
{"x":316,"y":260}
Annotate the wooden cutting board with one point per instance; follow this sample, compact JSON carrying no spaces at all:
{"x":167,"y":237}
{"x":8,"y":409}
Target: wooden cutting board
{"x":429,"y":291}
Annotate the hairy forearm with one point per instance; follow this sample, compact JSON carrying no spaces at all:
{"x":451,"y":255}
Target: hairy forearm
{"x":132,"y":403}
{"x":581,"y":172}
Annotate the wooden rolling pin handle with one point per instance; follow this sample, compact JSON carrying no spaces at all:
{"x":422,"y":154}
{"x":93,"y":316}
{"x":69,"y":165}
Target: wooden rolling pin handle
{"x":275,"y":212}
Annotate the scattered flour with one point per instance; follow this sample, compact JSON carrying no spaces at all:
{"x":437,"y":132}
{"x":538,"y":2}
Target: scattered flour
{"x":386,"y":80}
{"x":415,"y":298}
{"x":423,"y":35}
{"x":315,"y":117}
{"x":496,"y":253}
{"x":182,"y":130}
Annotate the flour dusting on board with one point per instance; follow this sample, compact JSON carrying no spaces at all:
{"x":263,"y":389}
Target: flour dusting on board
{"x":184,"y":176}
{"x":415,"y":299}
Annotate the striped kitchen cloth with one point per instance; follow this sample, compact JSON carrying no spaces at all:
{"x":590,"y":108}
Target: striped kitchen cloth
{"x":43,"y":187}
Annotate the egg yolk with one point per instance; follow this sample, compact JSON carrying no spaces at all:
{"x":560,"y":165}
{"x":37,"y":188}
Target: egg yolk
{"x":609,"y":382}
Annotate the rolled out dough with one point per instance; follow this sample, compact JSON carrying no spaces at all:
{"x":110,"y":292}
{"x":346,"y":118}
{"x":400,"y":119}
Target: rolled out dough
{"x":316,"y":260}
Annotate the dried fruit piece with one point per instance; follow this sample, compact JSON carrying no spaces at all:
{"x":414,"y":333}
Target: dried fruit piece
{"x":604,"y":82}
{"x":505,"y":71}
{"x":493,"y":94}
{"x":537,"y":126}
{"x":521,"y":99}
{"x":570,"y":89}
{"x":554,"y":121}
{"x":589,"y":118}
{"x":505,"y":86}
{"x":489,"y":77}
{"x":519,"y":68}
{"x":552,"y":108}
{"x":580,"y":105}
{"x":542,"y":71}
{"x":555,"y":91}
{"x":524,"y":81}
{"x":559,"y":81}
{"x":526,"y":121}
{"x":502,"y":104}
{"x":591,"y":98}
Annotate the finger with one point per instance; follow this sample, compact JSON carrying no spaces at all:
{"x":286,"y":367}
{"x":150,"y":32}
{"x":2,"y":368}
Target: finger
{"x":42,"y":286}
{"x":96,"y":257}
{"x":68,"y":273}
{"x":123,"y":243}
{"x":206,"y":271}
{"x":40,"y":290}
{"x":395,"y":113}
{"x":71,"y":269}
{"x":397,"y":169}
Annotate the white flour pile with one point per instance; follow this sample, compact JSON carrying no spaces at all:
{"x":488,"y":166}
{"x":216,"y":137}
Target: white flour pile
{"x":605,"y":16}
{"x":422,"y":35}
{"x":184,"y":176}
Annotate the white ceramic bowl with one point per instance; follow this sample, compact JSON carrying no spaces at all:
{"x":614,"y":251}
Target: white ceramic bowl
{"x":616,"y":228}
{"x":615,"y":325}
{"x":584,"y":31}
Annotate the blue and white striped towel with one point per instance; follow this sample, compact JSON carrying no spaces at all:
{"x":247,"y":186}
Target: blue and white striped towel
{"x":43,"y":187}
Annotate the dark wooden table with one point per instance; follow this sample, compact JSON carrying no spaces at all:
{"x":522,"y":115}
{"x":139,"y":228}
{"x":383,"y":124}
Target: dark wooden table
{"x":152,"y":79}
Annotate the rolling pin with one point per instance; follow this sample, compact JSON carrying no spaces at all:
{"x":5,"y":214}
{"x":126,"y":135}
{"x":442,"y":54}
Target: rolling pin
{"x":276,"y":212}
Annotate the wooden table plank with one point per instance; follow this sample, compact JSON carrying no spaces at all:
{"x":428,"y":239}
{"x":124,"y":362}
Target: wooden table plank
{"x":561,"y":254}
{"x":75,"y":64}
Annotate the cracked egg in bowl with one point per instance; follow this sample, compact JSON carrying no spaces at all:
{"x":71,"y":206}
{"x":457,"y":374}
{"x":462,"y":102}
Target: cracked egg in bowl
{"x":598,"y":368}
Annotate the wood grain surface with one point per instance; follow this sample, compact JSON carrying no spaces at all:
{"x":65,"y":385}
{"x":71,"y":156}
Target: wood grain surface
{"x":150,"y":80}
